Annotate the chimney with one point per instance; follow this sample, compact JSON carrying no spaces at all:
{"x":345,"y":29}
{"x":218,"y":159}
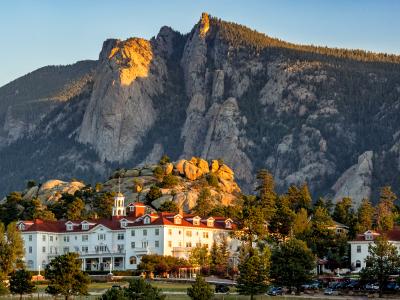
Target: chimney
{"x":140,"y":209}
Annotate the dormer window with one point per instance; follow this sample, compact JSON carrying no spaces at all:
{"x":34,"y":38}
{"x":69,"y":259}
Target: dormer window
{"x":228,"y":224}
{"x":196,"y":221}
{"x":368,"y":237}
{"x":124,"y":223}
{"x":69,"y":226}
{"x":177,"y":219}
{"x":146,"y":220}
{"x":210,"y":222}
{"x":21,"y":226}
{"x":85,"y":225}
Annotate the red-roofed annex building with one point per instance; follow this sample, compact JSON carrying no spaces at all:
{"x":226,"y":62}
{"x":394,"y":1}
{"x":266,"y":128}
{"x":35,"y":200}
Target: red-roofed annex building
{"x":359,"y":246}
{"x":119,"y":242}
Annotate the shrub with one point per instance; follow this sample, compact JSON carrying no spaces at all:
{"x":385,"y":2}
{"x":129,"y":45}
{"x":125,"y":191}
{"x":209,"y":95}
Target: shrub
{"x":200,"y":290}
{"x":169,"y":181}
{"x":212,"y":180}
{"x":153,"y":194}
{"x":164,"y":160}
{"x":169,"y":206}
{"x":158,"y":172}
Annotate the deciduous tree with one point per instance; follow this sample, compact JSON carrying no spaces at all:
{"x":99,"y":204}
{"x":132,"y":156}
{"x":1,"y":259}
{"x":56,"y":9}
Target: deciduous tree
{"x":20,"y":283}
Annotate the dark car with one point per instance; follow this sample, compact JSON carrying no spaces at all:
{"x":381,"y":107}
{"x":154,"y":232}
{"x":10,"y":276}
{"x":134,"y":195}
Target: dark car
{"x":221,"y":288}
{"x":275,"y":291}
{"x":392,"y":286}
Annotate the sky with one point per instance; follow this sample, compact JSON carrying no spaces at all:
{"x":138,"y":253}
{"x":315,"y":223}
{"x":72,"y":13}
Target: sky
{"x":36,"y":33}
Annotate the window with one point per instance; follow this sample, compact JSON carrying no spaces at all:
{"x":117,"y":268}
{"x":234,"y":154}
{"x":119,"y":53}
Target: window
{"x":123,"y":223}
{"x":66,"y":249}
{"x":120,"y":236}
{"x":132,"y":232}
{"x":210,"y":222}
{"x":43,"y":238}
{"x":157,"y":231}
{"x":30,"y":264}
{"x":358,"y":264}
{"x":145,"y":244}
{"x":368,"y":237}
{"x":205,"y":235}
{"x":170,"y":244}
{"x":196,"y":221}
{"x":30,"y":249}
{"x":358,"y":249}
{"x":76,"y":238}
{"x":70,"y":227}
{"x":51,"y":238}
{"x":76,"y":248}
{"x":44,"y":249}
{"x":85,"y":249}
{"x":177,"y":220}
{"x":228,"y":224}
{"x":189,"y":244}
{"x":132,"y":245}
{"x":85,"y":238}
{"x":120,"y":248}
{"x":21,"y":226}
{"x":85,"y":226}
{"x":146,"y":220}
{"x":156,"y":244}
{"x":30,"y":238}
{"x":101,"y":236}
{"x":169,"y":231}
{"x":133,"y":260}
{"x":66,"y":238}
{"x":188,"y":233}
{"x":144,"y":232}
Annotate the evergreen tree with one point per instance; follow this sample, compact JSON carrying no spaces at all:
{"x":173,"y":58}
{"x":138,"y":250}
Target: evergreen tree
{"x":204,"y":203}
{"x":169,"y":206}
{"x":114,"y":294}
{"x":365,"y":215}
{"x":66,"y":277}
{"x":301,"y":223}
{"x":282,"y":222}
{"x":11,"y":249}
{"x":20,"y":283}
{"x":266,"y":193}
{"x":139,"y":289}
{"x":384,"y":210}
{"x":292,"y":263}
{"x":75,"y":209}
{"x":200,"y":290}
{"x":254,"y":270}
{"x":382,"y":260}
{"x":344,"y":213}
{"x":299,"y":197}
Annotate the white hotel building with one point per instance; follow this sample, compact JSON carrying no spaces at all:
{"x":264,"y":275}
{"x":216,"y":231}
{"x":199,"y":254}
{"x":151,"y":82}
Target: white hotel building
{"x":119,"y":242}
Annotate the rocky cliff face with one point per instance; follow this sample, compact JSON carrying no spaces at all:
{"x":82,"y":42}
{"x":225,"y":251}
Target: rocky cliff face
{"x":307,"y":114}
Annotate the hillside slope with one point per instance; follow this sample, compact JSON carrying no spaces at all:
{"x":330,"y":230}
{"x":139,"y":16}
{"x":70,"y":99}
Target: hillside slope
{"x":328,"y":117}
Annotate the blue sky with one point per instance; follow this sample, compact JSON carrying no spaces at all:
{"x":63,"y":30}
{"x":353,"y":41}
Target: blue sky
{"x":35,"y":33}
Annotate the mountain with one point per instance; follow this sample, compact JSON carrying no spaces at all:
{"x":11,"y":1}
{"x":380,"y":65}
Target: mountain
{"x":329,"y":117}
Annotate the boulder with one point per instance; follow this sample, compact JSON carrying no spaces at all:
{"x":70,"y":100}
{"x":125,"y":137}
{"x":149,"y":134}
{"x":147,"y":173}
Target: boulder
{"x":132,"y":173}
{"x":214,"y":165}
{"x":146,"y":172}
{"x":31,"y":193}
{"x":224,"y":172}
{"x":52,"y":190}
{"x":191,"y":200}
{"x":203,"y":166}
{"x":180,"y":166}
{"x":191,"y":171}
{"x":168,"y":167}
{"x":157,"y":203}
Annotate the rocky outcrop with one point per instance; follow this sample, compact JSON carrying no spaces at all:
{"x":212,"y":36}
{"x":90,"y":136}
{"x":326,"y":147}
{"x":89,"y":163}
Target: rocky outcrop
{"x":52,"y":190}
{"x":121,"y":110}
{"x":355,"y":182}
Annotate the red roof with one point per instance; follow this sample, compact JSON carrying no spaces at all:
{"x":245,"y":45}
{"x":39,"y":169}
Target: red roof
{"x":392,"y":235}
{"x":163,"y":218}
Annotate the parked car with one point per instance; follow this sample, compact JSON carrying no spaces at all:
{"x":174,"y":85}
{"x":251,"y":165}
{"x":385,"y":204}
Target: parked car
{"x":392,"y":286}
{"x":328,"y":291}
{"x":275,"y":291}
{"x":221,"y":288}
{"x":372,"y":287}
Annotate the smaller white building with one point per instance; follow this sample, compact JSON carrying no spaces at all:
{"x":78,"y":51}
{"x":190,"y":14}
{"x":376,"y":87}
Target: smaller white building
{"x":359,"y":246}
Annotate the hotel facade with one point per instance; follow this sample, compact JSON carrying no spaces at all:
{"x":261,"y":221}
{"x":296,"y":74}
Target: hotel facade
{"x":119,"y":242}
